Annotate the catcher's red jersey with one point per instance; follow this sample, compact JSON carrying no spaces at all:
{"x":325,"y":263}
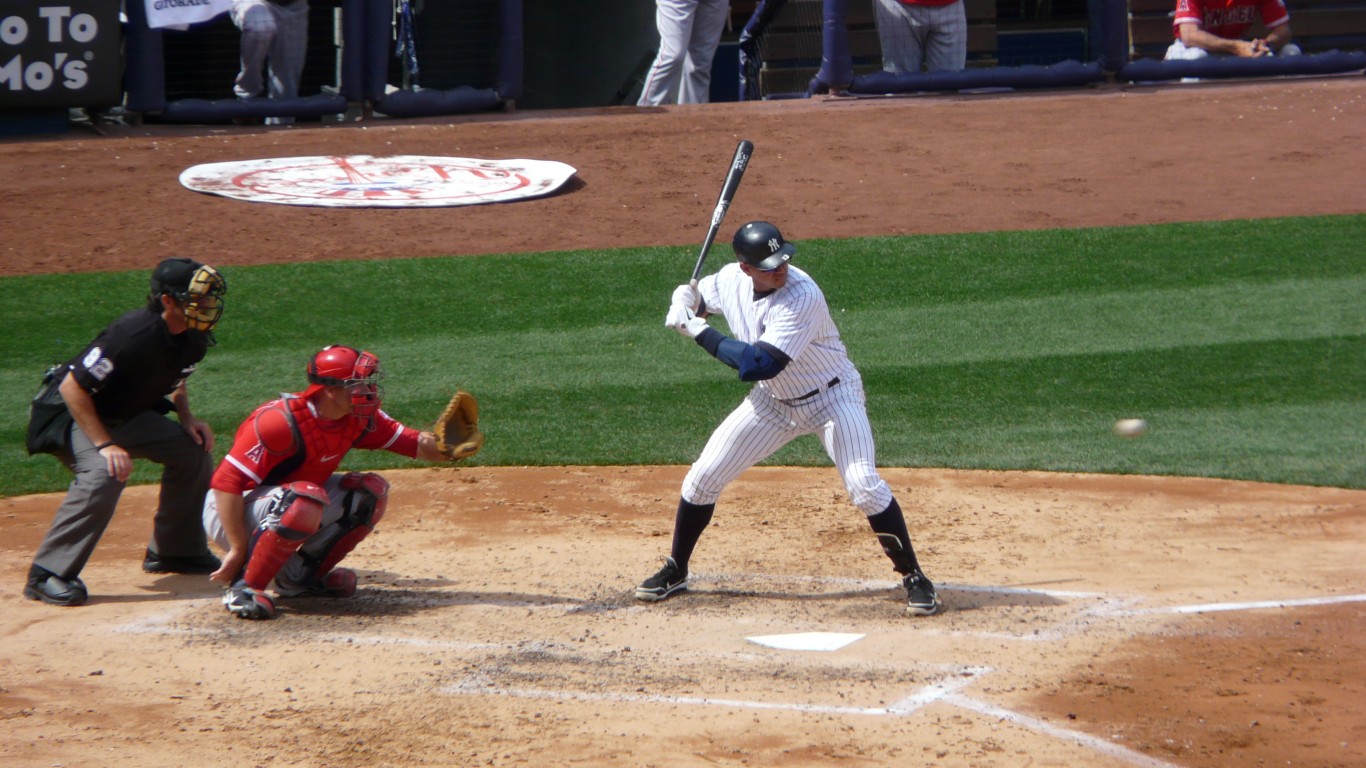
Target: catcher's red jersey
{"x":285,"y":440}
{"x":1230,"y":19}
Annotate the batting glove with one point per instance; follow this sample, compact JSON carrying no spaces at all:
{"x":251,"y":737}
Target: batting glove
{"x":683,"y":320}
{"x":687,"y":296}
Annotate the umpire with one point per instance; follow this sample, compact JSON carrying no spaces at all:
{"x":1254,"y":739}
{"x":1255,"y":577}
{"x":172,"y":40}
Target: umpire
{"x":119,"y":391}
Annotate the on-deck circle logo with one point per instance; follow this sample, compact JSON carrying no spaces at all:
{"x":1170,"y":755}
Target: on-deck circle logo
{"x":365,"y":181}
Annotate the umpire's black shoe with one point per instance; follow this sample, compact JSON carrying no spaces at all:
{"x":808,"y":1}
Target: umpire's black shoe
{"x":921,"y":599}
{"x":198,"y":564}
{"x":669,"y":580}
{"x":50,"y":588}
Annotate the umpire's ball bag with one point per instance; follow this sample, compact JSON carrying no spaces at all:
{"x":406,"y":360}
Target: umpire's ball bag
{"x":49,"y":422}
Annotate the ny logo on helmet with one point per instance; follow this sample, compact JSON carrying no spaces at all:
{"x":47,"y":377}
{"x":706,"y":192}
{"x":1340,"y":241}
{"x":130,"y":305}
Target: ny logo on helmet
{"x":773,"y":245}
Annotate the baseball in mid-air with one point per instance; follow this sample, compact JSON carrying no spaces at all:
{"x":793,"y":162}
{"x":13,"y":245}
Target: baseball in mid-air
{"x":1130,"y":427}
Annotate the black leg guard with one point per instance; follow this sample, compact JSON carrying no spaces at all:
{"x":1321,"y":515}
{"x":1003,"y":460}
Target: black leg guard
{"x":890,"y":527}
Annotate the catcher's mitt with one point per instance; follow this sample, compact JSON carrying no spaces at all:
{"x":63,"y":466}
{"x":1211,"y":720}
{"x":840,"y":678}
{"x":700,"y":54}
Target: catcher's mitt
{"x":457,"y":428}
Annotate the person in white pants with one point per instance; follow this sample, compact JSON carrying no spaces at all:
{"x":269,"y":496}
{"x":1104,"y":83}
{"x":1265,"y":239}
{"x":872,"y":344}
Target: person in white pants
{"x":804,"y":383}
{"x":274,"y":32}
{"x":922,"y":35}
{"x":689,"y":34}
{"x":1203,"y":28}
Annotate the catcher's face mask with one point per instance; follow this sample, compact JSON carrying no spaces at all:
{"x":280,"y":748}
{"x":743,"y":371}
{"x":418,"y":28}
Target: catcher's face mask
{"x":356,"y":371}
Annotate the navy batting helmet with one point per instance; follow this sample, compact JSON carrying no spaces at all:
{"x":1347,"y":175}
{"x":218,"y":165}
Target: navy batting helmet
{"x":760,"y":245}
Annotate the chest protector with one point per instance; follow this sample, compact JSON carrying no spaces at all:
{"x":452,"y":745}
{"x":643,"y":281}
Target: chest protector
{"x":308,"y":433}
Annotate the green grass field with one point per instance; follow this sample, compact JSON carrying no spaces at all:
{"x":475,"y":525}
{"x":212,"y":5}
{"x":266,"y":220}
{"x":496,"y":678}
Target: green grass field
{"x":1242,"y":343}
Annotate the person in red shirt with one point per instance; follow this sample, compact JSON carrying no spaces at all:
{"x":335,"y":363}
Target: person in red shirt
{"x":1217,"y":27}
{"x":277,"y":505}
{"x":922,"y":35}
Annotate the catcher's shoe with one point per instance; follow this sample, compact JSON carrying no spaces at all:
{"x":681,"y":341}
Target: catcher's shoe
{"x":246,"y":603}
{"x":921,"y":599}
{"x":669,"y":580}
{"x":204,"y":563}
{"x":339,"y":582}
{"x":52,"y":589}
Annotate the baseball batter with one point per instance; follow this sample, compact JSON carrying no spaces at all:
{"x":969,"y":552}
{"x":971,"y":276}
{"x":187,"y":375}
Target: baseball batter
{"x":786,"y":342}
{"x":689,"y":34}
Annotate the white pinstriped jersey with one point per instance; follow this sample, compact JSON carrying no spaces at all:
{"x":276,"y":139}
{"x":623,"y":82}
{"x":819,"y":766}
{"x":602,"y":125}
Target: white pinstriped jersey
{"x":794,"y":318}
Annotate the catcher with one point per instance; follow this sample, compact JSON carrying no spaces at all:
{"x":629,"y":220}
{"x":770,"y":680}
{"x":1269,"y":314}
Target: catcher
{"x":277,"y":505}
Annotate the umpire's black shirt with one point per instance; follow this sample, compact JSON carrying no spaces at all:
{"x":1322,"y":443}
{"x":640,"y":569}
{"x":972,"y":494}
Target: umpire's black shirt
{"x":135,"y":363}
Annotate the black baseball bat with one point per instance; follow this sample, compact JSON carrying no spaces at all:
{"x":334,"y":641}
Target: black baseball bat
{"x":733,"y":176}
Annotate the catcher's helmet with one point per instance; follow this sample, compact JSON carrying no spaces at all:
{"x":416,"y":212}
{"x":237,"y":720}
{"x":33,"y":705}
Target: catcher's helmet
{"x":357,"y":370}
{"x":760,"y":245}
{"x":197,"y":286}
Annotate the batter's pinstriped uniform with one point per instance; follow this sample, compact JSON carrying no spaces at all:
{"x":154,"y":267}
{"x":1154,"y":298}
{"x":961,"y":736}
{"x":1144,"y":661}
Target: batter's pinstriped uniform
{"x":784,"y":340}
{"x":798,"y":401}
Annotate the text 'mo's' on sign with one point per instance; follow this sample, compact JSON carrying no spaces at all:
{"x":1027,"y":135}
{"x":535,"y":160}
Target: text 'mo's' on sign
{"x":60,"y":54}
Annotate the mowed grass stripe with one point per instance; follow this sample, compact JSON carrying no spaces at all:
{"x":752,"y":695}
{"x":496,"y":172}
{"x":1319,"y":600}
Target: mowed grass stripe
{"x":1241,"y":342}
{"x":1130,"y":320}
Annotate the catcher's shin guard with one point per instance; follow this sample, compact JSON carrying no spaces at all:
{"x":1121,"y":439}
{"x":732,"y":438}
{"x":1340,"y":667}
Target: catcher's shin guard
{"x":367,"y":496}
{"x":297,"y":514}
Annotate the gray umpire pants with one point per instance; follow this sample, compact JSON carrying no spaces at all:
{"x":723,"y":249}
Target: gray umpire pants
{"x":274,"y":32}
{"x":932,"y":37}
{"x":93,"y":495}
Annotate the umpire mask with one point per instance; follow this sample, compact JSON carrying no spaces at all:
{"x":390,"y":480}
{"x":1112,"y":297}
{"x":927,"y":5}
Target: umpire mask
{"x":198,"y":288}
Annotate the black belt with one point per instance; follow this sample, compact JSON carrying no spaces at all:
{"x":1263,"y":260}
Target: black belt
{"x":810,"y":394}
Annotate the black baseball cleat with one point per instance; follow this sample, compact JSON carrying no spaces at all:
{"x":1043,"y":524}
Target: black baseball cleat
{"x":196,"y":564}
{"x":669,"y":580}
{"x":339,"y":582}
{"x":53,"y":589}
{"x":921,"y":599}
{"x":246,"y":603}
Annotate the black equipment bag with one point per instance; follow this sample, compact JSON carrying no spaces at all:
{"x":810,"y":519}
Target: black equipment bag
{"x":49,"y":422}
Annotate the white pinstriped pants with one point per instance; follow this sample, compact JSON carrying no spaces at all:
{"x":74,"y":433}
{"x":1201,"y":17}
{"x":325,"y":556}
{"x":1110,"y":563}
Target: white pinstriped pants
{"x":761,"y":425}
{"x":689,"y":34}
{"x":932,"y":37}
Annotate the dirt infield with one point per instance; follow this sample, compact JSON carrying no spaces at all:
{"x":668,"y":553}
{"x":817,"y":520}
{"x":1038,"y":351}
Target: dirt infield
{"x":1088,"y":620}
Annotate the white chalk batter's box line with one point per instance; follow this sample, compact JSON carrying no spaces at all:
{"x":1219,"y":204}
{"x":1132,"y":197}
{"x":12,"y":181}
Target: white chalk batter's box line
{"x":945,"y":692}
{"x":1077,"y":621}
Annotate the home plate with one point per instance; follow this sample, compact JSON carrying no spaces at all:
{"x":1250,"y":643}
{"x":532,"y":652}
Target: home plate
{"x":807,"y":641}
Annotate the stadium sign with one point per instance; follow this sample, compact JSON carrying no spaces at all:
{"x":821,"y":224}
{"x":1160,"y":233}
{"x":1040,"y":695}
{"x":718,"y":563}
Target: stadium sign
{"x":60,"y":54}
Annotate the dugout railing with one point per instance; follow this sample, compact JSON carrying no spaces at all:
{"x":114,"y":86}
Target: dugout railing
{"x":351,"y":68}
{"x":783,"y":45}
